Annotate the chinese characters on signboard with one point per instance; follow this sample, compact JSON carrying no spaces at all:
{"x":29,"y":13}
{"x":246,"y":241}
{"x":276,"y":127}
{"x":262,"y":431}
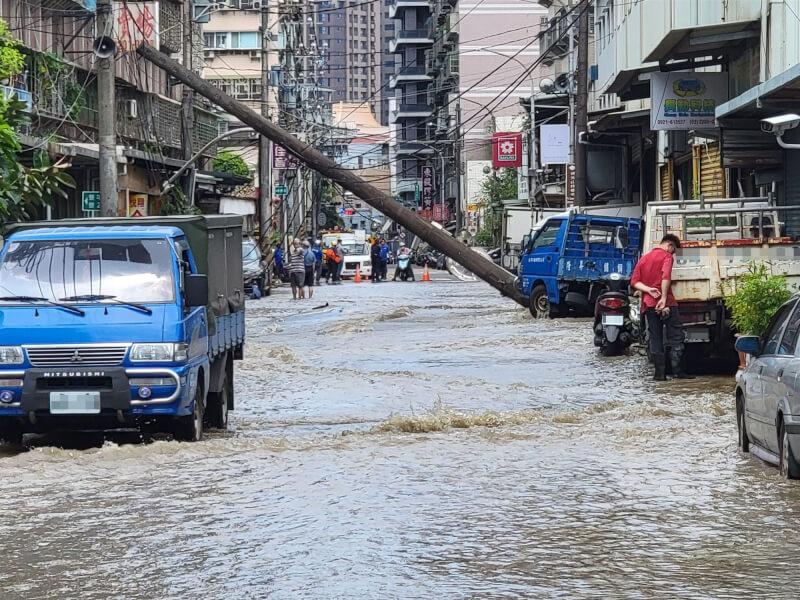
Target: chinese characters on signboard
{"x":686,"y":100}
{"x":282,"y":159}
{"x":137,"y":205}
{"x":136,"y":23}
{"x":506,"y":150}
{"x":427,"y":187}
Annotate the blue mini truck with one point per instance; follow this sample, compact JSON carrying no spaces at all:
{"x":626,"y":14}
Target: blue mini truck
{"x":119,"y":324}
{"x":567,"y":261}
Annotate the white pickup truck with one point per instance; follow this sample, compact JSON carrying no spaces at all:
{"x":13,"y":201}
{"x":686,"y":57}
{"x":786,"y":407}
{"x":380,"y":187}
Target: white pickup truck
{"x":719,"y":239}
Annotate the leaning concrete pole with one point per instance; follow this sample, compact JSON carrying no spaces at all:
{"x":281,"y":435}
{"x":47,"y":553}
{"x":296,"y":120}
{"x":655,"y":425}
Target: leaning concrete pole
{"x":479,"y":265}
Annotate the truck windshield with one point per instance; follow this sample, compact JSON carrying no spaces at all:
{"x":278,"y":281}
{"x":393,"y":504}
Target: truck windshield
{"x":130,"y":270}
{"x":355,"y":248}
{"x":250,"y":252}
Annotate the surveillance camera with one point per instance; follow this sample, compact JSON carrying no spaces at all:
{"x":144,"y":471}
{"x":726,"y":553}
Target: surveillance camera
{"x":780,"y":124}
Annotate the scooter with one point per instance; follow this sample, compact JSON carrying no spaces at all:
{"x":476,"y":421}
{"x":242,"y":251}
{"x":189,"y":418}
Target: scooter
{"x":404,"y":268}
{"x":614,"y":325}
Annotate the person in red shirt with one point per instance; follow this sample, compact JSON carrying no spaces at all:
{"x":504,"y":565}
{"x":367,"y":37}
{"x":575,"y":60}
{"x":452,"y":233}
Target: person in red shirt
{"x":653,"y":277}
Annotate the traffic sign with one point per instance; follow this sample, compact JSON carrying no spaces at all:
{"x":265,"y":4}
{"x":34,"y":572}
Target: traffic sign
{"x":91,"y":201}
{"x":281,"y":190}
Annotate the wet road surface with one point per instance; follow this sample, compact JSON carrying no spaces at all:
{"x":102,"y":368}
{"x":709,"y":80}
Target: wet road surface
{"x":419,"y":440}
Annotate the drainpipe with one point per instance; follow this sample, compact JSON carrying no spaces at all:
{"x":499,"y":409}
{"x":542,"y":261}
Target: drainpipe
{"x":764,"y":47}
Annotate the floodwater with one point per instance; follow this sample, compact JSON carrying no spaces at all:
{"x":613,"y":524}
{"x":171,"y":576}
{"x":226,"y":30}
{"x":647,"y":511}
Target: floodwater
{"x":418,"y":440}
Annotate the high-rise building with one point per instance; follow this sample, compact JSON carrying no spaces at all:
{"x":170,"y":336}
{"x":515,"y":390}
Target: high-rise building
{"x":350,"y":43}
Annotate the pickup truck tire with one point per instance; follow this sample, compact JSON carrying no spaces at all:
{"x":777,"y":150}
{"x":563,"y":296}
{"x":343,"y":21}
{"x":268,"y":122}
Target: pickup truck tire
{"x":217,"y":413}
{"x":790,"y":469}
{"x":539,"y":302}
{"x":190,"y":427}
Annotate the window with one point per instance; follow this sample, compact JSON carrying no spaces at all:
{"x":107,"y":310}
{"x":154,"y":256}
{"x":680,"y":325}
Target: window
{"x":389,"y":27}
{"x":363,"y":45}
{"x":218,"y":40}
{"x":364,"y":31}
{"x":363,"y":18}
{"x":323,"y":17}
{"x":773,"y":334}
{"x":789,"y":341}
{"x":245,"y":40}
{"x":323,"y":30}
{"x":547,"y":235}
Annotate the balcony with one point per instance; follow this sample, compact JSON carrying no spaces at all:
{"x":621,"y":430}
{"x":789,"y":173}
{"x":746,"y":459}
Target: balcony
{"x":67,"y":5}
{"x":449,"y":29}
{"x":410,"y":37}
{"x":398,"y":6}
{"x":412,"y":148}
{"x":408,"y":74}
{"x":410,"y":111}
{"x":22,"y":95}
{"x":450,"y":66}
{"x":431,"y":64}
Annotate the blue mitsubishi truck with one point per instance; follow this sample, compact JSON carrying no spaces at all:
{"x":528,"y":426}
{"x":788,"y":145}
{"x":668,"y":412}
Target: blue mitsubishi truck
{"x":119,"y":324}
{"x":567,"y":261}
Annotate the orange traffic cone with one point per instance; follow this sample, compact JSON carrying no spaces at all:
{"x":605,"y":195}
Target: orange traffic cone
{"x":425,"y":275}
{"x":357,"y":278}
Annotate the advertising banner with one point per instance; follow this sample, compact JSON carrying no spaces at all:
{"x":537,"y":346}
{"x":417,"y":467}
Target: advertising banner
{"x":554,"y":144}
{"x":137,"y":205}
{"x":282,"y":159}
{"x":506,"y":150}
{"x":136,"y":23}
{"x":686,"y":100}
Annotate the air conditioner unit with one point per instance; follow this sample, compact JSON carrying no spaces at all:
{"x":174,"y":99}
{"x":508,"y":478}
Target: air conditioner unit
{"x":132,"y":109}
{"x":256,"y":4}
{"x":255,"y":54}
{"x":208,"y":54}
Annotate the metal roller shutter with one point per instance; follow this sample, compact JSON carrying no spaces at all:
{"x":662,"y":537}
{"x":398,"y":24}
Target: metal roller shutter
{"x":712,"y":175}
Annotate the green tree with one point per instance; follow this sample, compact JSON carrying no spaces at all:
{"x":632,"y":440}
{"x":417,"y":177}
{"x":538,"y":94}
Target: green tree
{"x":754,"y":296}
{"x":328,"y":205}
{"x":228,"y":162}
{"x":495,"y":189}
{"x":23,"y":188}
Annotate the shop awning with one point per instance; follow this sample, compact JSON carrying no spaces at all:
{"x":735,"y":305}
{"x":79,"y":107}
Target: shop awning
{"x":632,"y":84}
{"x":777,"y":94}
{"x":701,"y":41}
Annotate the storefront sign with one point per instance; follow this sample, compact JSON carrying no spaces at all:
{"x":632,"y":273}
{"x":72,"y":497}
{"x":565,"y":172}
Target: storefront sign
{"x":506,"y":150}
{"x":554,"y":144}
{"x":282,"y":159}
{"x":427,"y":188}
{"x":137,"y":205}
{"x":686,"y":100}
{"x":136,"y":23}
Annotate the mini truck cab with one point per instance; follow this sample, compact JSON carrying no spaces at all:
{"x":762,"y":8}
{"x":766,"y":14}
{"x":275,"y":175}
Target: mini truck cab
{"x":567,"y":262}
{"x":112,"y":326}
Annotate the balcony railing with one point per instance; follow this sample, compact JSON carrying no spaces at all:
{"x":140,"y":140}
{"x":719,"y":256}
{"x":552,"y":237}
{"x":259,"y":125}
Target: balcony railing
{"x":399,"y":5}
{"x":410,"y":37}
{"x":408,"y":74}
{"x":22,"y":95}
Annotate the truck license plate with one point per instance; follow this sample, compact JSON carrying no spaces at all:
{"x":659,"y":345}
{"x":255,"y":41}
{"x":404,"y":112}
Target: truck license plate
{"x":74,"y":403}
{"x":613,"y":319}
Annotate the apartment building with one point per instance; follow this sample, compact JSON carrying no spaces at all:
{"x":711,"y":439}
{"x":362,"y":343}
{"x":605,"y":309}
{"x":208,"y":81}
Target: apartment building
{"x":59,"y":87}
{"x":349,"y":33}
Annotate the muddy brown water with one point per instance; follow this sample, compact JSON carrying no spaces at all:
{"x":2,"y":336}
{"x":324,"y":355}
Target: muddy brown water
{"x":412,"y":441}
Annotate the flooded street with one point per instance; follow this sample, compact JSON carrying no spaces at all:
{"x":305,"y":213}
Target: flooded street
{"x":420,"y":440}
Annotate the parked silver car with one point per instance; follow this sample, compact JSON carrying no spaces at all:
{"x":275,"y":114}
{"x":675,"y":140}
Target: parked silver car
{"x":768,"y":392}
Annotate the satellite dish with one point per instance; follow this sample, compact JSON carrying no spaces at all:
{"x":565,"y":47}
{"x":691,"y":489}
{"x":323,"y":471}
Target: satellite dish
{"x":547,"y":85}
{"x":104,"y":47}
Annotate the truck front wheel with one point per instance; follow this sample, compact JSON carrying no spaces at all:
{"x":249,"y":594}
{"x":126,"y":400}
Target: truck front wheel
{"x":539,"y":302}
{"x":190,"y":427}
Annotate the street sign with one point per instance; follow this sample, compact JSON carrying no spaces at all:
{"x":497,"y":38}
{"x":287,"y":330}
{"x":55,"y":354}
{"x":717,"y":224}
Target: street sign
{"x":416,"y":193}
{"x":91,"y":201}
{"x":281,"y":190}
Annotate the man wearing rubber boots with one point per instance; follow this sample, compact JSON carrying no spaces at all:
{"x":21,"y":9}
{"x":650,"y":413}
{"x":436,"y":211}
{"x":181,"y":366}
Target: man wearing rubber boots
{"x":653,"y":277}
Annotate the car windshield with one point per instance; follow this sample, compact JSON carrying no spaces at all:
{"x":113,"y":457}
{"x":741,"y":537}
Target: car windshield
{"x":250,"y":251}
{"x":355,"y":248}
{"x":130,"y":270}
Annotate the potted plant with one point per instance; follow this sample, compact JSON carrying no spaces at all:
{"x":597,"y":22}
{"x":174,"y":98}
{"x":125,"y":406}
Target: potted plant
{"x":753,"y":298}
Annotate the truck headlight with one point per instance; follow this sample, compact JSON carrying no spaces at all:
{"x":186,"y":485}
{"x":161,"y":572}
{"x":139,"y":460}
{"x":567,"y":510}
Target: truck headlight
{"x":367,"y":263}
{"x":163,"y":352}
{"x":11,"y":355}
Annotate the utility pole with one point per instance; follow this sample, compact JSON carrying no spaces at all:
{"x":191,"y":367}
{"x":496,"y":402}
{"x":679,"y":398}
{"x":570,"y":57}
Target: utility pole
{"x":491,"y":273}
{"x":187,"y":105}
{"x":106,"y":113}
{"x":264,"y":145}
{"x":581,"y":101}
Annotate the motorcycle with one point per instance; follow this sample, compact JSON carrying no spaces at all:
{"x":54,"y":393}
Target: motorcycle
{"x":616,"y":318}
{"x":404,"y":268}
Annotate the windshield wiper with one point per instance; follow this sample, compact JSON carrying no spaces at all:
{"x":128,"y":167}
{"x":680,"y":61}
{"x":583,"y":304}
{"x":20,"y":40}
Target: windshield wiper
{"x":98,"y":297}
{"x":34,"y":299}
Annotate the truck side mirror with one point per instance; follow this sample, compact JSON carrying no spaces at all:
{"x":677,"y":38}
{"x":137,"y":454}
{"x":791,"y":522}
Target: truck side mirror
{"x":196,"y":289}
{"x":526,"y":240}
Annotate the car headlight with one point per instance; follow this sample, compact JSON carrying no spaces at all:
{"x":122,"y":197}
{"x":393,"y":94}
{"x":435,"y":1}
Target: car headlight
{"x":164,"y":352}
{"x":11,"y":355}
{"x":367,"y":263}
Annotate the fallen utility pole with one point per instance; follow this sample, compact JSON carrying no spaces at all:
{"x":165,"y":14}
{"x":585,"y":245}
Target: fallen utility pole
{"x":481,"y":266}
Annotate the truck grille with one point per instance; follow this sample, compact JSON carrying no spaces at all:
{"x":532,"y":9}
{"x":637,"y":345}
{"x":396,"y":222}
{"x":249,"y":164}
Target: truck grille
{"x":351,"y":266}
{"x":78,"y":355}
